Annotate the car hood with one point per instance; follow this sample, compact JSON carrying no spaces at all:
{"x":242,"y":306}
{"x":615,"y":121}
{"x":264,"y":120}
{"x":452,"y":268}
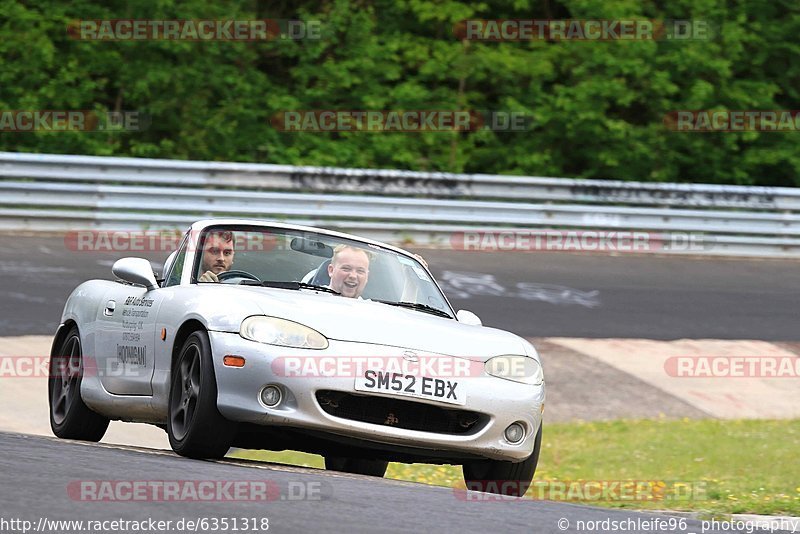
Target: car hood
{"x":365,"y":321}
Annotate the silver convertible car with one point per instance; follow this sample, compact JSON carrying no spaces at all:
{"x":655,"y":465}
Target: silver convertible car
{"x":264,"y":335}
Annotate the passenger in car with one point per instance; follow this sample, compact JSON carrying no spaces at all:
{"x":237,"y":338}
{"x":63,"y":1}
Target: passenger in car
{"x":349,"y":270}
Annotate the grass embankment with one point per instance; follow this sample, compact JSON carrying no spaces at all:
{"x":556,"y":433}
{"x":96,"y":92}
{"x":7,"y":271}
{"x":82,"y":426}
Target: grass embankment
{"x":697,"y":465}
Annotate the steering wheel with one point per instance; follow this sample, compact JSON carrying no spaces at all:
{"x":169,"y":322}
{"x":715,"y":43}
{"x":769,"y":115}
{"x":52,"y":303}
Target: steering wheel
{"x":237,"y":274}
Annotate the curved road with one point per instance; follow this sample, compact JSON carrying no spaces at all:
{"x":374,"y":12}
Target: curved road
{"x":532,"y":294}
{"x":48,"y":486}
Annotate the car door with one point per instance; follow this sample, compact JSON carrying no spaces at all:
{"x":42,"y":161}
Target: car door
{"x":125,"y":339}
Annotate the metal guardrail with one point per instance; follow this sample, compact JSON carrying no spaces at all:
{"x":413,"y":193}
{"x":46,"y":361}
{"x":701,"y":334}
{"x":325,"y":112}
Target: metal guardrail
{"x":53,"y":192}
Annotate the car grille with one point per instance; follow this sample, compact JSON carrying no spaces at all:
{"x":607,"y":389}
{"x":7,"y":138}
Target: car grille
{"x":400,"y":413}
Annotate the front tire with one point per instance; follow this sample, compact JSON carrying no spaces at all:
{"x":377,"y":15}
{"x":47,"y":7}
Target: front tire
{"x":70,"y":418}
{"x":195,"y":427}
{"x":358,"y":466}
{"x":503,"y":478}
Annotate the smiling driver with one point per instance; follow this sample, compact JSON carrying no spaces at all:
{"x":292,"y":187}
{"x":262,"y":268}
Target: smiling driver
{"x":349,"y":270}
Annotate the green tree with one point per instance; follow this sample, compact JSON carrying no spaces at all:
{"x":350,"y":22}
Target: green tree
{"x":597,"y":108}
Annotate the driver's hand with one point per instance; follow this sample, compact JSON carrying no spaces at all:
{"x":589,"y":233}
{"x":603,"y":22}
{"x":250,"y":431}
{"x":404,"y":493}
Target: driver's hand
{"x":208,"y":276}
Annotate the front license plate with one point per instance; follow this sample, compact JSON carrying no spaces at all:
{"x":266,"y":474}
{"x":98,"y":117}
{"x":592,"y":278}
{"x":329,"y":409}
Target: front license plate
{"x":421,"y":387}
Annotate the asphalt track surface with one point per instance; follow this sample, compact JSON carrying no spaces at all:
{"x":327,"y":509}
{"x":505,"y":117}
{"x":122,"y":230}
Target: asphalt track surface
{"x":531,"y":294}
{"x":39,"y":477}
{"x":535,"y":295}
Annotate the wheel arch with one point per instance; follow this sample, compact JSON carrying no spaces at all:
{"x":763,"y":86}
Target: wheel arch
{"x":61,"y":334}
{"x":185,"y":330}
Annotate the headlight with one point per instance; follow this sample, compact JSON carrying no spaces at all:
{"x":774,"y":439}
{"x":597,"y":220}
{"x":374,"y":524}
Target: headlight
{"x":516,"y":368}
{"x":281,"y":332}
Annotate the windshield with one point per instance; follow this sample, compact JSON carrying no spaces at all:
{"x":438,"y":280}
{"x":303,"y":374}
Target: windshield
{"x":294,"y":259}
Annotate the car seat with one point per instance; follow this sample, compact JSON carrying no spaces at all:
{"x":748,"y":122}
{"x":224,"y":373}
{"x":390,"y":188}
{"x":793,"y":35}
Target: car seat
{"x":321,"y":277}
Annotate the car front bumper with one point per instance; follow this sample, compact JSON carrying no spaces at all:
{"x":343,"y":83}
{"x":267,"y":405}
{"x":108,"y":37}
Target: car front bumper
{"x":501,"y":402}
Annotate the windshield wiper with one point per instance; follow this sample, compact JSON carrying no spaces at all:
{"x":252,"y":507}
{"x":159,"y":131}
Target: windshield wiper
{"x":417,"y":306}
{"x":289,"y":285}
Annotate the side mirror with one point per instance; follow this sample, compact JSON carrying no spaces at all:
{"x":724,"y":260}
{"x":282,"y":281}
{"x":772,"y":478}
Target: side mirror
{"x":467,"y":317}
{"x":168,"y":263}
{"x":136,"y":271}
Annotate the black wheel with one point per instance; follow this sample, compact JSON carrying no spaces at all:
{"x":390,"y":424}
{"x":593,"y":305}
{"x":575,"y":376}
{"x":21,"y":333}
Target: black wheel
{"x":504,"y":478}
{"x":195,"y":427}
{"x":359,"y":466}
{"x":70,"y":418}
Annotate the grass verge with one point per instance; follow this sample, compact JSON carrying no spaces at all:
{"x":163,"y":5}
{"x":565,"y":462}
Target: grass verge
{"x":720,"y":467}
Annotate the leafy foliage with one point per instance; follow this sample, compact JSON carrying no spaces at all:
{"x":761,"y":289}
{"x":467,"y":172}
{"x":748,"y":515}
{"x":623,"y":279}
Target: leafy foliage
{"x":597,"y":107}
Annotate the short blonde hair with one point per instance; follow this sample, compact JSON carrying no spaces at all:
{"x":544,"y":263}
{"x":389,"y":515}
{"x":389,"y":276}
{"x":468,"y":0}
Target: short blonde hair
{"x":340,"y":248}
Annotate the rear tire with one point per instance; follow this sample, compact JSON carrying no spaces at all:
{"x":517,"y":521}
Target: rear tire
{"x":503,"y":478}
{"x":195,"y":427}
{"x":358,"y":466}
{"x":70,"y":418}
